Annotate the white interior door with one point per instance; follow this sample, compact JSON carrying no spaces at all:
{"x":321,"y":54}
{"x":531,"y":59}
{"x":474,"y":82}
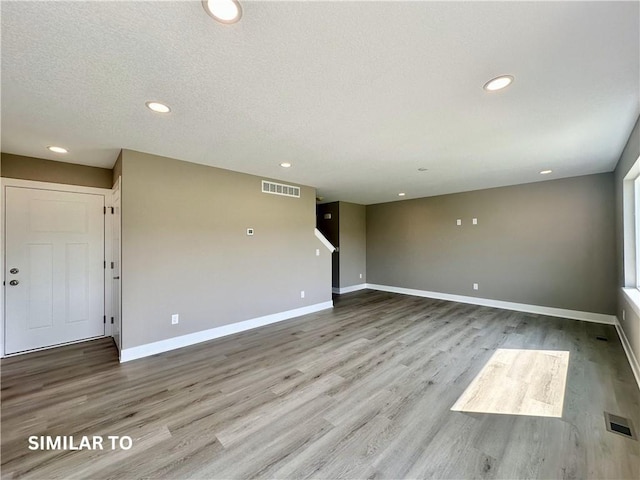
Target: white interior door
{"x":54,"y":272}
{"x":116,"y":257}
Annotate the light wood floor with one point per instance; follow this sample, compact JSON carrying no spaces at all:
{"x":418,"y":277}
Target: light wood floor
{"x":363,"y":391}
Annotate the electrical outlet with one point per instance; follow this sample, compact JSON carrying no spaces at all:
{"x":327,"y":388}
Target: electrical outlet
{"x":250,"y":232}
{"x":317,"y":252}
{"x":475,"y":286}
{"x":360,"y":275}
{"x":301,"y":293}
{"x":474,"y":221}
{"x":459,"y":221}
{"x":175,"y":319}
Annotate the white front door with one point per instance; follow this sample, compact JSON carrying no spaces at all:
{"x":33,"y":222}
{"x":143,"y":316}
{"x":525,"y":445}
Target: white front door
{"x":54,"y":278}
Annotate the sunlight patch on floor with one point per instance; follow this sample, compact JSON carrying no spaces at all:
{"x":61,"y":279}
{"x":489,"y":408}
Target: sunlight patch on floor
{"x":518,"y":382}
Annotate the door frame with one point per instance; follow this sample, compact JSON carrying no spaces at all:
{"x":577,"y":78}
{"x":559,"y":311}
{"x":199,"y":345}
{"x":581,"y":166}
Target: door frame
{"x":109,"y":304}
{"x":59,"y":187}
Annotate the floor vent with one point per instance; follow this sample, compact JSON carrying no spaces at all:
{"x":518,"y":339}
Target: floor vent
{"x":602,"y":339}
{"x":280,"y":189}
{"x":619,"y":425}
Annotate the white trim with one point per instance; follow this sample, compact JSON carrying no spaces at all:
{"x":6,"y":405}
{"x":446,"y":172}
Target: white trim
{"x":117,"y":188}
{"x":62,"y":187}
{"x":633,"y":361}
{"x":108,"y":240}
{"x":352,"y":288}
{"x":154,"y":348}
{"x":631,"y":239}
{"x":633,"y":299}
{"x":59,"y":187}
{"x":324,"y":240}
{"x":487,"y":302}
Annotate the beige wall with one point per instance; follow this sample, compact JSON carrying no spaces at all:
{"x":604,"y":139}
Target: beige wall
{"x":330,"y":228}
{"x":631,"y":323}
{"x":550,"y":243}
{"x":346,"y":230}
{"x":353,"y":244}
{"x":117,"y":169}
{"x":38,"y":169}
{"x":185,"y":249}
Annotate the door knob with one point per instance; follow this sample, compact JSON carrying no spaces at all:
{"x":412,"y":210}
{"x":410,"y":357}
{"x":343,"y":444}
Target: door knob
{"x":14,"y":271}
{"x":13,"y":283}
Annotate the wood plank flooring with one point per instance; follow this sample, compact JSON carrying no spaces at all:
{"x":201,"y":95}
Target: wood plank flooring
{"x":362,"y":391}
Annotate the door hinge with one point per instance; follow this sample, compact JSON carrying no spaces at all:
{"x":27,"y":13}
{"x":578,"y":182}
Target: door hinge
{"x":112,"y":265}
{"x":104,"y":319}
{"x":104,"y":210}
{"x":111,"y":320}
{"x":104,"y":264}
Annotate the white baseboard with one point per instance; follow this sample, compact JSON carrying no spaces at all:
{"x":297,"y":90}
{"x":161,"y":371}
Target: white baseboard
{"x":352,"y":288}
{"x":154,"y":348}
{"x":633,"y":361}
{"x":487,"y":302}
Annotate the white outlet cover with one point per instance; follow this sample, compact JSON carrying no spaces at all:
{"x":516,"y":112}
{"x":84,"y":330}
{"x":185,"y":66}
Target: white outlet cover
{"x":317,"y":252}
{"x":360,"y":275}
{"x":250,"y":231}
{"x":175,"y":319}
{"x":475,"y":221}
{"x":301,"y":293}
{"x":459,"y":221}
{"x":475,"y":286}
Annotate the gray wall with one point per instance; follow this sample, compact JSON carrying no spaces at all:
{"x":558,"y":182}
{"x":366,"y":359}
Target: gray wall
{"x":550,"y":243}
{"x":631,"y":323}
{"x":185,"y":249}
{"x":38,"y":169}
{"x":330,"y":228}
{"x":353,"y":244}
{"x":117,"y":169}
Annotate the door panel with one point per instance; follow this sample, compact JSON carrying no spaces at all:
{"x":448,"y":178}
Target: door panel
{"x":39,"y":291}
{"x":55,"y":240}
{"x":77,"y":301}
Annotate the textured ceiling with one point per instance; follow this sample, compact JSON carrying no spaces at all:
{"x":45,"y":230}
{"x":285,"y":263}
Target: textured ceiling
{"x":356,"y":95}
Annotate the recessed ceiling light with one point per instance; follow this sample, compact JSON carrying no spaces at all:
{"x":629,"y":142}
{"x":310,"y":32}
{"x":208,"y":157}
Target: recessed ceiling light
{"x":224,"y":11}
{"x":498,"y":83}
{"x":285,"y":164}
{"x":158,"y":107}
{"x":55,"y":149}
{"x":401,"y":194}
{"x":545,"y":172}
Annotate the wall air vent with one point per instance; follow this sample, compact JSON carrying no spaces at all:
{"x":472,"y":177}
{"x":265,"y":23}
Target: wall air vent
{"x":280,"y":189}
